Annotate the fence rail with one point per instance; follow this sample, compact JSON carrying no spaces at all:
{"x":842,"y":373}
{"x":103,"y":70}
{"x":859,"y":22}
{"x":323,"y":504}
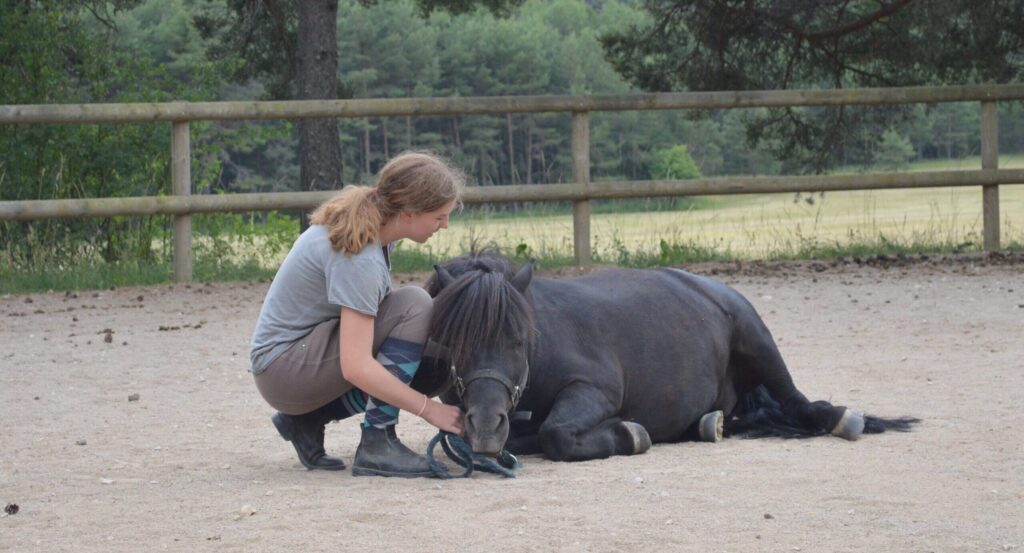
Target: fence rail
{"x":304,"y":109}
{"x":28,"y":210}
{"x":182,"y":204}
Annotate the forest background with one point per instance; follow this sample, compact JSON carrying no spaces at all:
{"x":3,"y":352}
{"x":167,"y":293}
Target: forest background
{"x":93,"y":52}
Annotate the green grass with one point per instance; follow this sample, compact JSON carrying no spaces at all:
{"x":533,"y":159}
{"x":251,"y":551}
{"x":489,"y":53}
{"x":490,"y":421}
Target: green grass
{"x":669,"y":253}
{"x":105,"y":275}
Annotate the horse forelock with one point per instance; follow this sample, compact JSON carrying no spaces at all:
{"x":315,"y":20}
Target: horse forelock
{"x":487,"y":261}
{"x":480,"y":308}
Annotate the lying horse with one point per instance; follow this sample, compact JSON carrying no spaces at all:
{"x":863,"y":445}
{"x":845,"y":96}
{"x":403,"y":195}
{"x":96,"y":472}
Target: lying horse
{"x":610,"y":362}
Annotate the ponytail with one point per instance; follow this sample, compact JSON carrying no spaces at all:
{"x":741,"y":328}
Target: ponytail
{"x":353,"y":218}
{"x":415,"y":182}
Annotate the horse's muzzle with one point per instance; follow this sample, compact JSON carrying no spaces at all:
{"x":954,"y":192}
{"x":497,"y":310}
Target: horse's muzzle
{"x":486,"y":430}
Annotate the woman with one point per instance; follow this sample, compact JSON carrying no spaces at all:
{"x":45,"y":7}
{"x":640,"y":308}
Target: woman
{"x":333,"y":339}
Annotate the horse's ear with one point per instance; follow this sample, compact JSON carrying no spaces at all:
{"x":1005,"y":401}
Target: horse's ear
{"x":444,"y":278}
{"x":522,"y":279}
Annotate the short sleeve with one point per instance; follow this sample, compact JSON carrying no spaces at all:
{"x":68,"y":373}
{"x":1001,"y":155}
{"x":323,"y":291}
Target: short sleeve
{"x":359,"y":282}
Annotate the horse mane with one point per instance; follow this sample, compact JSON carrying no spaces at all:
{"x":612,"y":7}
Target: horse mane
{"x":479,"y":307}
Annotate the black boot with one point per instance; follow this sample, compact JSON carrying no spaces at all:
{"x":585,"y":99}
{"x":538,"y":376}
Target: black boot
{"x":306,"y":433}
{"x":381,"y":454}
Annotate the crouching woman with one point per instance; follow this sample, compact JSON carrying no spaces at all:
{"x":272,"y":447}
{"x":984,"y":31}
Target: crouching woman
{"x":333,"y":339}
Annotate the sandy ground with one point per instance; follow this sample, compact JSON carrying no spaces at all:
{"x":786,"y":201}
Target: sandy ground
{"x":194,"y":463}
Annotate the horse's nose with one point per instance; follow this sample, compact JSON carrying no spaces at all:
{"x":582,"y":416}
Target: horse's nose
{"x":486,"y":431}
{"x":488,"y":423}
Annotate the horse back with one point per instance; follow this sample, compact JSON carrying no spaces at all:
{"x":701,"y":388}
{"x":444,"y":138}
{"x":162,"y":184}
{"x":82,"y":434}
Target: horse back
{"x":666,"y":293}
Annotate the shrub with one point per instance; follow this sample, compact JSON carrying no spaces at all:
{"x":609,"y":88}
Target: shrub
{"x":674,"y":163}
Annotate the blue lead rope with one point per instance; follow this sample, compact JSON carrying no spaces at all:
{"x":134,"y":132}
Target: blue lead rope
{"x":459,"y":451}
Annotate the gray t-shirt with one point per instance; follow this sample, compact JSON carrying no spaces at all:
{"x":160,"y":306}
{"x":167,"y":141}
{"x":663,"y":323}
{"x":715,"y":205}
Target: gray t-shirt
{"x":312,"y":286}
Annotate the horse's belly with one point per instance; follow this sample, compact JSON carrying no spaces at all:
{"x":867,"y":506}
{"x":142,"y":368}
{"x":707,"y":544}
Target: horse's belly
{"x":669,"y":405}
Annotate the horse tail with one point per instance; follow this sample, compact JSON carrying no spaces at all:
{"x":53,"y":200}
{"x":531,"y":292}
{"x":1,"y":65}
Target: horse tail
{"x":877,"y":425}
{"x":758,"y":415}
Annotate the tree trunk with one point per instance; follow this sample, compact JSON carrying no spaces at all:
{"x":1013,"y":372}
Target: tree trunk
{"x":480,"y":165}
{"x":511,"y":150}
{"x":366,"y":152}
{"x":384,"y":132}
{"x":545,"y":177}
{"x":529,"y":150}
{"x":316,"y":76}
{"x":949,"y":138}
{"x":408,"y":122}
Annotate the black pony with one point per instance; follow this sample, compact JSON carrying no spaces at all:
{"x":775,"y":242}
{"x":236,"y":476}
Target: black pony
{"x":610,"y":362}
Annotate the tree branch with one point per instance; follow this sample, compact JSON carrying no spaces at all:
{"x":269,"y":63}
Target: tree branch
{"x":885,"y":11}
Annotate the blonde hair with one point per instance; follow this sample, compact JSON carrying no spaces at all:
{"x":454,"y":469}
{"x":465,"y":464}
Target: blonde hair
{"x":413,"y":182}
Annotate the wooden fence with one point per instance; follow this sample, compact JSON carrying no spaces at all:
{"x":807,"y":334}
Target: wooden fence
{"x":581,"y":191}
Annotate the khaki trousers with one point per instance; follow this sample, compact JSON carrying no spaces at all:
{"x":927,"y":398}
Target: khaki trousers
{"x":308,"y":374}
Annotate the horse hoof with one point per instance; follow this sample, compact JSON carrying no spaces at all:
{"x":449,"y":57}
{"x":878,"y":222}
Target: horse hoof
{"x":850,"y":426}
{"x":641,"y":439}
{"x":712,"y":425}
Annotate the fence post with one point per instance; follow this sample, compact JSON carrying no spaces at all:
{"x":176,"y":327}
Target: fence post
{"x":990,"y":160}
{"x":581,"y":177}
{"x":181,"y":185}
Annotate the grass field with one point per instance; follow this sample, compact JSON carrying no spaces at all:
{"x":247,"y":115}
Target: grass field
{"x":764,"y":225}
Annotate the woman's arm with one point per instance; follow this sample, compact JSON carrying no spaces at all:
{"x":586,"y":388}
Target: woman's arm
{"x":359,"y":367}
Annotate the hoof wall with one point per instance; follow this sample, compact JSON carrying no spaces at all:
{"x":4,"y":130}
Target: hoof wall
{"x":712,"y":426}
{"x":641,"y":439}
{"x":850,"y":426}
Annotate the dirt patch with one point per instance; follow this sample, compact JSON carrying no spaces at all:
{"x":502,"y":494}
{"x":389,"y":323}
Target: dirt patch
{"x":130,"y":423}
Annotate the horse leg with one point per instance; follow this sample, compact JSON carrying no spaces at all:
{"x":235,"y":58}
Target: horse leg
{"x":524,"y":445}
{"x":758,"y":359}
{"x":582,"y":426}
{"x":522,"y":436}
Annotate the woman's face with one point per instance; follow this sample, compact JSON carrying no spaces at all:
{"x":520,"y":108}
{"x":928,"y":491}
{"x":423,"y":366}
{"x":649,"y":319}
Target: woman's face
{"x":421,"y":226}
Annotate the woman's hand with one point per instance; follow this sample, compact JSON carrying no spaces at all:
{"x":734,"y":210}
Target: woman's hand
{"x":443,"y":416}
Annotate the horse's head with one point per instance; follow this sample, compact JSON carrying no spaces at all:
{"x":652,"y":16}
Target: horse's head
{"x":484,"y":319}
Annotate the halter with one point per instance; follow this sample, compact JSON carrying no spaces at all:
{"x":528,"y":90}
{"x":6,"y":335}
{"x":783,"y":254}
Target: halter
{"x":515,"y":391}
{"x":459,"y":451}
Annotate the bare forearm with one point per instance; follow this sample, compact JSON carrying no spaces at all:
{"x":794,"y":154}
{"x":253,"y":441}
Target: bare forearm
{"x":359,"y":367}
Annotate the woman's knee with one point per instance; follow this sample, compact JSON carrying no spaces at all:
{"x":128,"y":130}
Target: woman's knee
{"x":412,"y":301}
{"x":409,"y":309}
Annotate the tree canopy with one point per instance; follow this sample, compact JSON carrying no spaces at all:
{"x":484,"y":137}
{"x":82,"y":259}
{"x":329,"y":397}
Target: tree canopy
{"x":704,"y":45}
